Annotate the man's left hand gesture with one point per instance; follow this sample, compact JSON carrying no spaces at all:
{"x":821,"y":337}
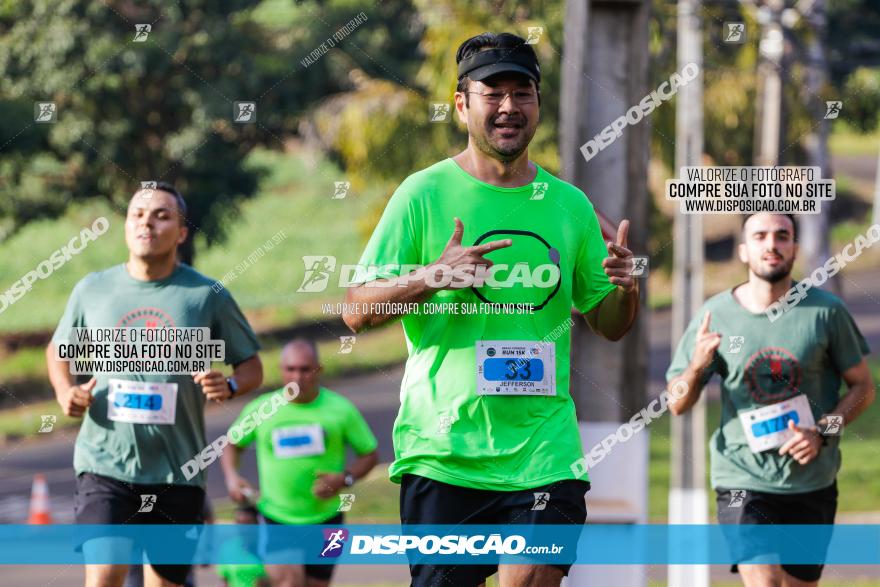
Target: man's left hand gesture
{"x":618,"y":265}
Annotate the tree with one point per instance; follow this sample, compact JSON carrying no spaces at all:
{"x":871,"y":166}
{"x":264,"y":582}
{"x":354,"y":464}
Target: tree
{"x":162,"y":107}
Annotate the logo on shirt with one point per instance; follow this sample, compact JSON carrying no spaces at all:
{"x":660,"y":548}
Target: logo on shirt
{"x":530,"y":256}
{"x":772,"y":374}
{"x":147,"y":317}
{"x":334,"y":540}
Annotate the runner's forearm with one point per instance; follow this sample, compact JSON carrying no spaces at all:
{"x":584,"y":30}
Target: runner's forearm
{"x":615,"y":314}
{"x":229,"y":460}
{"x":861,"y":393}
{"x":690,"y":391}
{"x":364,"y":464}
{"x":408,"y":289}
{"x":59,"y":372}
{"x":248,"y":375}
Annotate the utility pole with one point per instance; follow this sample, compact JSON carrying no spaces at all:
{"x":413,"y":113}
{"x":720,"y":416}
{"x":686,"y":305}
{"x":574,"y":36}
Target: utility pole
{"x":814,"y":228}
{"x":769,"y":110}
{"x":688,"y":500}
{"x":604,"y":73}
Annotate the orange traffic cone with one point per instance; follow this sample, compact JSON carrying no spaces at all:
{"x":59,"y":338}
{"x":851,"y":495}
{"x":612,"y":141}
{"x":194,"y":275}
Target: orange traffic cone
{"x":39,"y":513}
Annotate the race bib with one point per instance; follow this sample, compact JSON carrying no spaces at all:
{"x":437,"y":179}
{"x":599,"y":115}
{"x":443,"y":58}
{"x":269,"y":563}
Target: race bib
{"x":142,"y":402}
{"x":767,"y":428}
{"x":516,"y":367}
{"x":298,"y":441}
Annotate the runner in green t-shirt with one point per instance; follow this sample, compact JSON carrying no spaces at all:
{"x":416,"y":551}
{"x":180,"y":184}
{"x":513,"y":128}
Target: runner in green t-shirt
{"x":301,"y":449}
{"x":140,"y":428}
{"x":769,"y":462}
{"x":487,"y":426}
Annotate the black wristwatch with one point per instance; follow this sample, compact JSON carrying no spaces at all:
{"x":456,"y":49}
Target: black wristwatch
{"x":233,"y":386}
{"x":348,"y":480}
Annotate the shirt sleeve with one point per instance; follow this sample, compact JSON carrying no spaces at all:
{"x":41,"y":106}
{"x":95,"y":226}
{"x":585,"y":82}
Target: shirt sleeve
{"x":590,"y":285}
{"x":247,"y":431}
{"x":358,"y":434}
{"x":847,"y":345}
{"x":73,"y":317}
{"x":685,"y":351}
{"x":230,"y":325}
{"x":394,"y":243}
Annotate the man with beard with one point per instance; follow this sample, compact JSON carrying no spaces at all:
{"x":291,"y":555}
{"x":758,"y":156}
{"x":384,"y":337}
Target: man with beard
{"x":139,"y":429}
{"x":487,"y":431}
{"x":769,"y":463}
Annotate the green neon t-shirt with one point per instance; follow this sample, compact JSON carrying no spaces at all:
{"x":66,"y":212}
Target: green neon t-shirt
{"x":446,"y":431}
{"x":803,"y":352}
{"x":138,"y":452}
{"x":246,"y":574}
{"x":294,"y":445}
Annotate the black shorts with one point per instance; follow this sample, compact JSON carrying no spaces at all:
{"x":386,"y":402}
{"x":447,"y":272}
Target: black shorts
{"x":757,"y":507}
{"x":268,"y":547}
{"x":425,"y":501}
{"x":103,"y":500}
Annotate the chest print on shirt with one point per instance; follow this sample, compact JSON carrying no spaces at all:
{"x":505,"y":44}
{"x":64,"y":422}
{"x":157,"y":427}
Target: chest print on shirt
{"x":147,"y":317}
{"x":539,"y":282}
{"x":772,"y":374}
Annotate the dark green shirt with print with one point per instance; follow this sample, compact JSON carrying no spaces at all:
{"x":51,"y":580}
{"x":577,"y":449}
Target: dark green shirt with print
{"x":760,"y":363}
{"x":150,"y":453}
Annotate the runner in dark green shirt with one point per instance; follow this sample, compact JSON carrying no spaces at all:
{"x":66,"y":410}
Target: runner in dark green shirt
{"x":140,"y":428}
{"x":780,"y":388}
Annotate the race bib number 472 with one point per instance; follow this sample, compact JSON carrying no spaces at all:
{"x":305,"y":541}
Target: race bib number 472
{"x":516,"y":367}
{"x":767,"y":427}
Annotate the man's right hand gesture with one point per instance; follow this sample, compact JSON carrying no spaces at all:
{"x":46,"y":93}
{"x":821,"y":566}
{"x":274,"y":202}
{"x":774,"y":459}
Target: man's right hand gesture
{"x":706,"y":345}
{"x":456,"y":255}
{"x":77,"y":399}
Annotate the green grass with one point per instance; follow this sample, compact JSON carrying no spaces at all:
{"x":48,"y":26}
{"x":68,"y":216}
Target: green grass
{"x":845,"y":140}
{"x":292,"y":198}
{"x":26,"y":420}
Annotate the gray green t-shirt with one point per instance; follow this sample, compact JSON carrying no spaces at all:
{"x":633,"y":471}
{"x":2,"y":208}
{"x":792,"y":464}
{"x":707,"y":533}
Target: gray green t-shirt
{"x":150,"y":453}
{"x":760,"y":363}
